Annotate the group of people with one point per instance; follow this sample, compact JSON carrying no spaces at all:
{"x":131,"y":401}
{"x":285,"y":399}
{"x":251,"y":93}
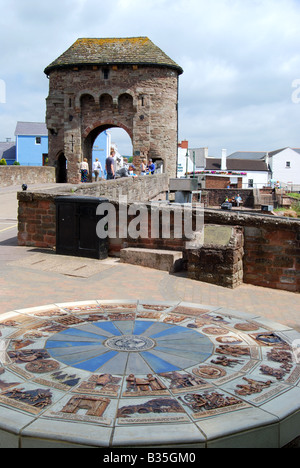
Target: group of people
{"x":111,"y":173}
{"x":237,"y":200}
{"x":85,"y":170}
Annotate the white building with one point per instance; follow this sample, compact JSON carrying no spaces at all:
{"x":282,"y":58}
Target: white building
{"x":190,"y":159}
{"x":285,"y":166}
{"x":253,"y":173}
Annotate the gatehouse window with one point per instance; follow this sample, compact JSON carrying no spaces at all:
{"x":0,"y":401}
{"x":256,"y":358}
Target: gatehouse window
{"x":105,"y":72}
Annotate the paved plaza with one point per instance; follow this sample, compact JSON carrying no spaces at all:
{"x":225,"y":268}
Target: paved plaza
{"x":137,"y":343}
{"x":31,"y":277}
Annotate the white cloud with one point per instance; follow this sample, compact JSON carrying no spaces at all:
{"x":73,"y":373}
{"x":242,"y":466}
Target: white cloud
{"x":240,"y":58}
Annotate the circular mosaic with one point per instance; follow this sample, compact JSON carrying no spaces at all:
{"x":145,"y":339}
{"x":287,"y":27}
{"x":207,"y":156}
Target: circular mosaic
{"x":116,"y":372}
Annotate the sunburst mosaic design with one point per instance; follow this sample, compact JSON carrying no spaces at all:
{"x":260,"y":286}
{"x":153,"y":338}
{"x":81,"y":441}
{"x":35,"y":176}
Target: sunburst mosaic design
{"x":133,"y":364}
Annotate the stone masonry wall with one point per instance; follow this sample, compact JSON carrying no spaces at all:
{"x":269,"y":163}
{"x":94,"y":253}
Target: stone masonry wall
{"x":222,"y":265}
{"x":36,"y":220}
{"x":37,"y":211}
{"x":215,"y":197}
{"x":272,"y":257}
{"x":272,"y":248}
{"x":141,"y":188}
{"x":142,"y":100}
{"x":271,"y":245}
{"x":18,"y":175}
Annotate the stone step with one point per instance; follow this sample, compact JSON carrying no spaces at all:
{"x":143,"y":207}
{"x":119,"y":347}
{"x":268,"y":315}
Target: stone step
{"x":166,"y":260}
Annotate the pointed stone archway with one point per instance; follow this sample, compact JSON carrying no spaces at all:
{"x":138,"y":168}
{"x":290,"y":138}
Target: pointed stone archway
{"x":103,"y":83}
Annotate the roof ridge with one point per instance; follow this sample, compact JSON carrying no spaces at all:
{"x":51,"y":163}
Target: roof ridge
{"x":123,"y":50}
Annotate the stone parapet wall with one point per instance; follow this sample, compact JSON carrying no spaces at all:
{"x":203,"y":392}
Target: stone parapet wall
{"x":270,"y":256}
{"x":215,"y":197}
{"x":142,"y":188}
{"x":37,"y":210}
{"x":36,"y":220}
{"x":272,"y":248}
{"x":18,"y":175}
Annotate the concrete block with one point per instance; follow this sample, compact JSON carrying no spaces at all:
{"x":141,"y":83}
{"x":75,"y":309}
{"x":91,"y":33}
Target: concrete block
{"x":166,"y":260}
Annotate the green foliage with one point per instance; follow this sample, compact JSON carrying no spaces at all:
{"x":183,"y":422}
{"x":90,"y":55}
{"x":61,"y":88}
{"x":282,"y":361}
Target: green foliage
{"x":16,"y":163}
{"x":294,"y":195}
{"x":3,"y":162}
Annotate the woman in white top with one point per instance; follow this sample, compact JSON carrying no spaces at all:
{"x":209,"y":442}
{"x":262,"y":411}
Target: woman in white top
{"x":84,"y":170}
{"x":97,"y":168}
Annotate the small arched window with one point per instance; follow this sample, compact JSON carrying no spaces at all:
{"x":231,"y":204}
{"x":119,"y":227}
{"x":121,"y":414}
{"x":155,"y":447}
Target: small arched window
{"x":125,"y":102}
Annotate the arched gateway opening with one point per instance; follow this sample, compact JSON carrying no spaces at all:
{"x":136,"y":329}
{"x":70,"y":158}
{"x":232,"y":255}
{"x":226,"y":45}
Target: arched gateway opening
{"x":98,"y":142}
{"x":61,"y":169}
{"x":99,"y":84}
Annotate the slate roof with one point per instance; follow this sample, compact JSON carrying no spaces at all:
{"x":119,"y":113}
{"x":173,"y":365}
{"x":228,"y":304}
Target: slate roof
{"x":213,"y":164}
{"x":31,"y":129}
{"x":247,"y":155}
{"x":113,"y":51}
{"x":257,"y":154}
{"x":8,"y":150}
{"x":273,"y":153}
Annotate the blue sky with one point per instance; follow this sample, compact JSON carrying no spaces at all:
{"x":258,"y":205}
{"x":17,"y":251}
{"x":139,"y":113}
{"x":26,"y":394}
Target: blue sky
{"x":240,"y":60}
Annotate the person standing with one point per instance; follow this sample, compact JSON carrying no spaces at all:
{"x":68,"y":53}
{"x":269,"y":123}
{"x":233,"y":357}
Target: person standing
{"x":96,"y":169}
{"x":110,"y":165}
{"x":143,"y":167}
{"x":84,"y":170}
{"x":151,"y":166}
{"x":238,"y":200}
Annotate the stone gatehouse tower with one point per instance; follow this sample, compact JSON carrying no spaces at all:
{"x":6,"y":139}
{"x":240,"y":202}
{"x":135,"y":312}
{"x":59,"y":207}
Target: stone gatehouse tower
{"x":99,"y":84}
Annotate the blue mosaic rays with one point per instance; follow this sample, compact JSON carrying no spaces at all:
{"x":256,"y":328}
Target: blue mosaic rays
{"x":84,"y":347}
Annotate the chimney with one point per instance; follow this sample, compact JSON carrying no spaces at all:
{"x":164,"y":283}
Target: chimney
{"x":267,"y":159}
{"x":223,"y":161}
{"x":184,"y":144}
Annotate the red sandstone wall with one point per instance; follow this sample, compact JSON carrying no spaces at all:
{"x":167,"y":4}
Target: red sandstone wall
{"x":272,"y":257}
{"x":142,"y":101}
{"x":271,"y":245}
{"x":215,"y":182}
{"x":272,"y":249}
{"x":37,"y":223}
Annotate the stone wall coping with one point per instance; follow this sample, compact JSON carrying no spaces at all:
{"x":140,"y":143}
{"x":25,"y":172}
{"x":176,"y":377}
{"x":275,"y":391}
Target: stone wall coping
{"x":210,"y":216}
{"x":245,"y":219}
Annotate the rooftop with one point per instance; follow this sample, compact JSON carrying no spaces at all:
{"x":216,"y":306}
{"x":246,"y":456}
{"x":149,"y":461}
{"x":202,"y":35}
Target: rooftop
{"x":8,"y":150}
{"x":247,"y":155}
{"x":113,"y":51}
{"x":31,"y":128}
{"x":237,"y":164}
